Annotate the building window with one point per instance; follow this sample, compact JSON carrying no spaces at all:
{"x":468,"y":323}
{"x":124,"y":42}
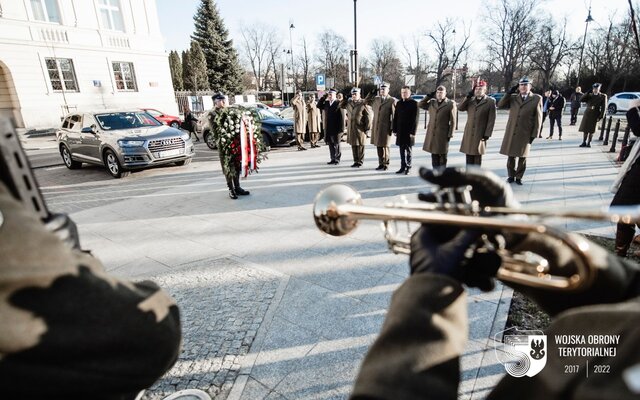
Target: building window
{"x":124,"y":76}
{"x":62,"y":74}
{"x":110,"y":15}
{"x":45,"y":10}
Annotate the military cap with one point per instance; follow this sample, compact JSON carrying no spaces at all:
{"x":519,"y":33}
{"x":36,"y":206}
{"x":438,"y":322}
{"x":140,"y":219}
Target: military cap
{"x":384,"y":85}
{"x":218,"y":96}
{"x":595,"y":85}
{"x":524,"y":81}
{"x":332,"y":90}
{"x":355,"y":90}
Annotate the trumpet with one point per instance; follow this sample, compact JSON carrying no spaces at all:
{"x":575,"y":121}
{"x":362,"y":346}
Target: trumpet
{"x":338,"y":209}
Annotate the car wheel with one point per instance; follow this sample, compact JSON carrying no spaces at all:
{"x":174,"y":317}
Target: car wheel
{"x":175,"y":124}
{"x":184,"y":162}
{"x":113,"y":165}
{"x":266,"y":139}
{"x":612,"y":109}
{"x":66,"y":158}
{"x":209,"y":140}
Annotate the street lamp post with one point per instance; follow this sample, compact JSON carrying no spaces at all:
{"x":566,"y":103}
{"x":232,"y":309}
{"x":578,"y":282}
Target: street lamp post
{"x":453,"y":65}
{"x":584,"y":41}
{"x":354,"y":63}
{"x":293,"y":78}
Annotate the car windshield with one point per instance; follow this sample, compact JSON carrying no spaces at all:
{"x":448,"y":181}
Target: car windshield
{"x":154,"y":112}
{"x":126,"y":120}
{"x":266,"y":114}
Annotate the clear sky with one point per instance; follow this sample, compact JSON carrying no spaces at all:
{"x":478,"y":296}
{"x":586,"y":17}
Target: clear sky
{"x":376,"y":18}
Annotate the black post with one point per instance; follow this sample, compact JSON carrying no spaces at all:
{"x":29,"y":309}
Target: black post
{"x":355,"y":44}
{"x":625,"y":138}
{"x":606,"y":135}
{"x":602,"y":124}
{"x":614,"y":141}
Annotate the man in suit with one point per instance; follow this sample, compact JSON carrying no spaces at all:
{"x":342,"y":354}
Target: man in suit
{"x":442,"y":122}
{"x":359,"y":122}
{"x":334,"y":124}
{"x":384,"y":107}
{"x":523,"y":125}
{"x":299,"y":119}
{"x":575,"y":104}
{"x":313,"y":120}
{"x":481,"y":117}
{"x":555,"y":113}
{"x":594,"y":112}
{"x":405,"y":125}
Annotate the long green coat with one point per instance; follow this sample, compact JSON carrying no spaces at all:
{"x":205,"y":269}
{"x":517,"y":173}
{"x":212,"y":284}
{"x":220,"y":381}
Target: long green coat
{"x":299,"y":114}
{"x":359,"y":121}
{"x":481,"y":117}
{"x":525,"y":118}
{"x":381,"y":129}
{"x":442,"y":122}
{"x":594,"y":112}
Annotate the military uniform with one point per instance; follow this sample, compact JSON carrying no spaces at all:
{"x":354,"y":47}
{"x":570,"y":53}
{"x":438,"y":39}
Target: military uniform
{"x":68,"y":330}
{"x":359,"y":123}
{"x":405,"y":126}
{"x":523,"y":125}
{"x":481,"y":118}
{"x":299,"y":119}
{"x":594,"y":111}
{"x":313,"y":121}
{"x":381,"y":130}
{"x":442,"y":122}
{"x":575,"y":99}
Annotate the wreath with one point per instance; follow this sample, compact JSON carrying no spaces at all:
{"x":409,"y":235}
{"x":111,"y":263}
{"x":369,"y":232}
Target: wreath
{"x":237,"y":133}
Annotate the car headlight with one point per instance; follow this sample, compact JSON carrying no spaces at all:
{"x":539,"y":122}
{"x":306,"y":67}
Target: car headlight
{"x":281,"y":129}
{"x":130,"y":143}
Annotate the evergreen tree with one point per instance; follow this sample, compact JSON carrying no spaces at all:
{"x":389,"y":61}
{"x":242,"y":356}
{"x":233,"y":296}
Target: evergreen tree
{"x":175,"y":65}
{"x":223,"y":68}
{"x":198,"y":67}
{"x":187,"y":79}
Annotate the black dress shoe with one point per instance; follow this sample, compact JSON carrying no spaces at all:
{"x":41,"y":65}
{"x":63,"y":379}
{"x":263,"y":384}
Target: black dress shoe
{"x":232,"y":194}
{"x":242,"y":192}
{"x":400,"y":171}
{"x":588,"y":145}
{"x":583,"y":145}
{"x":379,"y":168}
{"x":331,"y":162}
{"x":384,"y":168}
{"x":510,"y":179}
{"x":406,"y":171}
{"x":519,"y":182}
{"x":355,"y":165}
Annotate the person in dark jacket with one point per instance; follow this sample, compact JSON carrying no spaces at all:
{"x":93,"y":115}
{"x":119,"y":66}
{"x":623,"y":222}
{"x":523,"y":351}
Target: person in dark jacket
{"x":334,"y":127}
{"x":555,"y":113}
{"x":405,"y":125}
{"x":190,"y":122}
{"x":594,"y":112}
{"x":417,"y":354}
{"x":575,"y":104}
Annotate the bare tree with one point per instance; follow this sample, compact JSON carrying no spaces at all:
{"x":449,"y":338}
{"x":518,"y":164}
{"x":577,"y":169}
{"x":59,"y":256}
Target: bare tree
{"x":383,"y":57}
{"x":510,"y":30}
{"x":332,"y":55}
{"x":550,"y":47}
{"x":447,"y":55}
{"x":258,"y":40}
{"x":416,"y":61}
{"x":305,"y":66}
{"x":618,"y":55}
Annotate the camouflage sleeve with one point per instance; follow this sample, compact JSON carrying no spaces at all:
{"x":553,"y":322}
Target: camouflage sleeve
{"x":69,"y":330}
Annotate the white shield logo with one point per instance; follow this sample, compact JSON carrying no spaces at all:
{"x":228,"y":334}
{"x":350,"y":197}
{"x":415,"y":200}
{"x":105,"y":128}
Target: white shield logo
{"x":523,"y":353}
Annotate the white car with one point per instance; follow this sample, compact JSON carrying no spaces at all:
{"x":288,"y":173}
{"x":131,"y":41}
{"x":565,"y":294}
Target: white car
{"x":620,"y":101}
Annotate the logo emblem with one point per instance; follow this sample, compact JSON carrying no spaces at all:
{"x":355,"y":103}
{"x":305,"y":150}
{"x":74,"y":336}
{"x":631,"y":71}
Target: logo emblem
{"x":523,"y":353}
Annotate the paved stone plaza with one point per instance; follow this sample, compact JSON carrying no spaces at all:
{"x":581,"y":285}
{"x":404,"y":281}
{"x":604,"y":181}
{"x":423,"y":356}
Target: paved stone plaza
{"x":271,"y":307}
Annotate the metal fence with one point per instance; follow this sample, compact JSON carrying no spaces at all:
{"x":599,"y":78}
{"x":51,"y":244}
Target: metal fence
{"x":193,"y":99}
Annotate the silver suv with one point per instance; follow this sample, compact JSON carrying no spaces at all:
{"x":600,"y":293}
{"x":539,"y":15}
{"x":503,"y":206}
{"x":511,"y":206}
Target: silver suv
{"x":121,"y":141}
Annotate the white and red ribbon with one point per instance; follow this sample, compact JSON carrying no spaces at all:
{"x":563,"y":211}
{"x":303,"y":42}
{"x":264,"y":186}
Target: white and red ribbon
{"x":248,"y":146}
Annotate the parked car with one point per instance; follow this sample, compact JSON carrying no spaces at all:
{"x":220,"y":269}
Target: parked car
{"x":121,"y":141}
{"x":418,"y":97}
{"x":497,"y":96}
{"x":276,"y":131}
{"x":166,"y":119}
{"x":260,"y":106}
{"x":620,"y":101}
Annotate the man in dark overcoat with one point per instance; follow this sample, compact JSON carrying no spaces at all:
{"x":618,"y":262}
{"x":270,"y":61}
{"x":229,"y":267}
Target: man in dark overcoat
{"x":575,"y":104}
{"x":555,"y":113}
{"x":405,"y":125}
{"x":334,"y":124}
{"x":523,"y":125}
{"x":442,"y":121}
{"x":481,"y":117}
{"x":594,"y":112}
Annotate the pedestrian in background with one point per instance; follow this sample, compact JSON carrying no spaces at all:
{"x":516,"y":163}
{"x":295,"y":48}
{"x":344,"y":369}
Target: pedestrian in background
{"x":546,"y":102}
{"x":190,"y":122}
{"x":481,"y":117}
{"x":384,"y":107}
{"x":523,"y":125}
{"x":575,"y":104}
{"x":359,"y":118}
{"x":555,"y":113}
{"x":334,"y":124}
{"x":313,"y":121}
{"x":595,"y":108}
{"x":405,"y":126}
{"x":442,"y":121}
{"x":299,"y":119}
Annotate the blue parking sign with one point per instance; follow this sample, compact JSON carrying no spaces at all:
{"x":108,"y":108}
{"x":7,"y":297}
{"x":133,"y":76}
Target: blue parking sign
{"x":320,"y":82}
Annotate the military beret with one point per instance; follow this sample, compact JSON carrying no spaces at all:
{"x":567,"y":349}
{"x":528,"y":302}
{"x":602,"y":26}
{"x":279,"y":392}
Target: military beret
{"x":595,"y":85}
{"x":355,"y":90}
{"x":481,"y":83}
{"x":218,"y":96}
{"x":524,"y":81}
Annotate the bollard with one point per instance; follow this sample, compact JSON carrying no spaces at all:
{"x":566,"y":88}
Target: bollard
{"x":606,"y":135}
{"x":625,"y":138}
{"x":604,"y":120}
{"x":614,"y":141}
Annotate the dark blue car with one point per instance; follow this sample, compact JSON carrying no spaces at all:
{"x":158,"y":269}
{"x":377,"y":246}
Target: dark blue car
{"x":276,"y":131}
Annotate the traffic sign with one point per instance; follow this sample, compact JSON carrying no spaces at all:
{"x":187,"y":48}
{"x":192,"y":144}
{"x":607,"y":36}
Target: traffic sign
{"x":320,"y":82}
{"x":410,"y":80}
{"x":377,"y":80}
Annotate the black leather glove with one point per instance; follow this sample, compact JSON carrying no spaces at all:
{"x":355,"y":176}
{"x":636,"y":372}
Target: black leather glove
{"x":471,"y":93}
{"x":441,"y":249}
{"x":432,"y":95}
{"x":531,"y":140}
{"x":64,"y":227}
{"x":485,"y":138}
{"x":514,"y":89}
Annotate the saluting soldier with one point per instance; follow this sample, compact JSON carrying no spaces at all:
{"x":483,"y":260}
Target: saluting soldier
{"x":384,"y":107}
{"x":299,"y":119}
{"x":405,"y":125}
{"x":481,"y":117}
{"x":334,"y":124}
{"x":442,"y":122}
{"x":594,"y":112}
{"x":359,"y":122}
{"x":575,"y":104}
{"x":523,"y":125}
{"x":313,"y":121}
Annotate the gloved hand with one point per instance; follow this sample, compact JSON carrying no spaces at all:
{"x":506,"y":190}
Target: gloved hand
{"x":531,"y":140}
{"x":64,"y":227}
{"x":441,"y":249}
{"x":471,"y":93}
{"x":513,"y":90}
{"x":485,"y":138}
{"x":432,"y":95}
